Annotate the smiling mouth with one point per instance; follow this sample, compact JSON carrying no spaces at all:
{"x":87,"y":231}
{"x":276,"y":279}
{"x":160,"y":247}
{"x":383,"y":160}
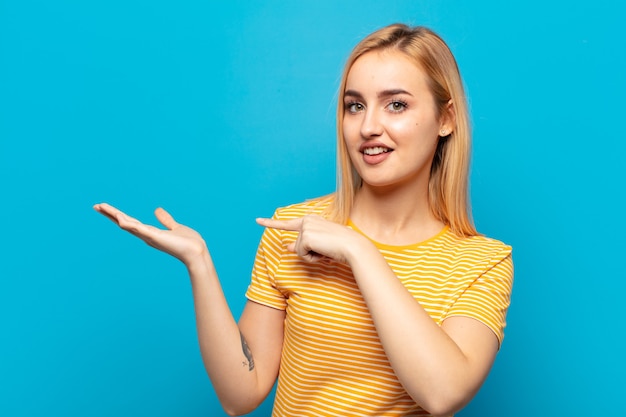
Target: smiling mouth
{"x":376,"y":150}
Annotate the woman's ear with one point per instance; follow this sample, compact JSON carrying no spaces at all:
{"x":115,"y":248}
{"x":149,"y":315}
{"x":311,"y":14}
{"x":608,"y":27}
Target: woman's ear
{"x":448,"y":120}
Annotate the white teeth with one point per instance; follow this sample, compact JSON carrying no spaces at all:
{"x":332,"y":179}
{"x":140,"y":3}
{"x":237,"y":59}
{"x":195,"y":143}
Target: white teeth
{"x":375,"y":151}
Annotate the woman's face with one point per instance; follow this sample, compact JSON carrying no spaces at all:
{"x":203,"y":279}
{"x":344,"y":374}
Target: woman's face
{"x":390,"y":124}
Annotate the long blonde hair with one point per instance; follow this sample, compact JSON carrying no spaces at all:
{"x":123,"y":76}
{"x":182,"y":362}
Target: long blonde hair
{"x":448,"y":183}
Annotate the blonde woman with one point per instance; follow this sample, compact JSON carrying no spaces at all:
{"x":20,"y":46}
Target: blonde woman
{"x":378,"y":300}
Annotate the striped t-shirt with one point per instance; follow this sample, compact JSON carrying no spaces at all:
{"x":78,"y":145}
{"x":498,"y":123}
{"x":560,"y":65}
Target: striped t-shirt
{"x":333,"y":363}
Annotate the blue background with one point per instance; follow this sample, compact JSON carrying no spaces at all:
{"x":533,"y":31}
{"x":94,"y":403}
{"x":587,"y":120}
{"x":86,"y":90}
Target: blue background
{"x":222,"y":111}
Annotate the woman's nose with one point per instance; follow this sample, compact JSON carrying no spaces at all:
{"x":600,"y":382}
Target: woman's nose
{"x":371,"y":125}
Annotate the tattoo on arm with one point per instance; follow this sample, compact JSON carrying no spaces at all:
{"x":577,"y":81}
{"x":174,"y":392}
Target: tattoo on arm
{"x":247,"y":353}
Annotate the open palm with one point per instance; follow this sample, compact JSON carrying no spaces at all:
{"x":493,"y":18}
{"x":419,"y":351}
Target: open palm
{"x":177,"y":240}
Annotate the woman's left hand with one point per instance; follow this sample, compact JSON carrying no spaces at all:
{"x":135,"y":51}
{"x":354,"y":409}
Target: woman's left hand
{"x":318,"y":237}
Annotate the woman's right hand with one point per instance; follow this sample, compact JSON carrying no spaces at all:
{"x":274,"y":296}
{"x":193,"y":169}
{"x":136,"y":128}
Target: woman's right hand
{"x":177,"y":240}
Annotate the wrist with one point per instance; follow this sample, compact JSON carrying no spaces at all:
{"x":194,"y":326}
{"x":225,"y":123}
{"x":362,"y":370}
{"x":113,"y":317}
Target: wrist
{"x":360,"y":248}
{"x":199,"y":263}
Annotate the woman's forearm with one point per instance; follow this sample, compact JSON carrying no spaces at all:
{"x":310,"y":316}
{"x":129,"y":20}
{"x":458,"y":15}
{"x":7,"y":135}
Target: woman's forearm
{"x":227,"y":359}
{"x":429,"y":363}
{"x":441,"y":368}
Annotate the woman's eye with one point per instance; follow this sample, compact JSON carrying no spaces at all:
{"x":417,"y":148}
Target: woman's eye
{"x":354,"y":107}
{"x":397,"y":106}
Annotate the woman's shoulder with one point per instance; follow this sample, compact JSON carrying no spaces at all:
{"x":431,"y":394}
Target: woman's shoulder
{"x":479,"y":245}
{"x":316,"y":205}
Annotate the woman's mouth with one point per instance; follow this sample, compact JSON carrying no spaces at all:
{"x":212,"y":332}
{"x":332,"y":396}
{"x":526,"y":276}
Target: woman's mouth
{"x":376,"y":150}
{"x":374,"y":155}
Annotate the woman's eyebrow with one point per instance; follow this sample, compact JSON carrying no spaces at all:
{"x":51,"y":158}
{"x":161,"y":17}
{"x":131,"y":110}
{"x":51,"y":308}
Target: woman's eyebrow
{"x":352,"y":93}
{"x":380,"y":94}
{"x":393,"y":92}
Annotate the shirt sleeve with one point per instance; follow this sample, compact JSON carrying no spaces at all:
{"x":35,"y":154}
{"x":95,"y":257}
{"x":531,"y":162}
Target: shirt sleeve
{"x":263,"y":288}
{"x":488,"y":297}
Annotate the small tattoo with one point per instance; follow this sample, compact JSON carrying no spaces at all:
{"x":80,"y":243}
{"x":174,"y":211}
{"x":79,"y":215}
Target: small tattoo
{"x":247,"y":353}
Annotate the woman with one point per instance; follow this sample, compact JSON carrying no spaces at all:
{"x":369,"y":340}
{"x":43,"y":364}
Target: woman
{"x":381,"y":299}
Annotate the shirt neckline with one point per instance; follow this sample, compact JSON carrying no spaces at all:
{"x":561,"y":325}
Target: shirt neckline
{"x":381,"y":245}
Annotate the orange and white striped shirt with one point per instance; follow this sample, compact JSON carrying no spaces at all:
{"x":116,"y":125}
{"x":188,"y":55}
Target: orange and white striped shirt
{"x":332,"y":362}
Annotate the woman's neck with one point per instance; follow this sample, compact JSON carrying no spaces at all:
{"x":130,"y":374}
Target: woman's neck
{"x":394,"y":215}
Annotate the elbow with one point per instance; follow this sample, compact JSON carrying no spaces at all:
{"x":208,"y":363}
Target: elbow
{"x":241,"y":407}
{"x":241,"y":398}
{"x":443,"y":412}
{"x":231,"y":411}
{"x":445,"y":404}
{"x":237,"y":410}
{"x":443,"y":409}
{"x":238,"y":402}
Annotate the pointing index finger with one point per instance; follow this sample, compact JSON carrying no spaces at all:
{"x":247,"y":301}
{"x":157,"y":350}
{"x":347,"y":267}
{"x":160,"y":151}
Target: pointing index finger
{"x":292,"y":224}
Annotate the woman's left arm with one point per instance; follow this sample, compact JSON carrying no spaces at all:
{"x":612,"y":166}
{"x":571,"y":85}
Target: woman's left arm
{"x":441,"y":367}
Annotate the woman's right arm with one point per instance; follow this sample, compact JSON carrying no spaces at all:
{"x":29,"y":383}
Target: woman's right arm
{"x":241,"y":360}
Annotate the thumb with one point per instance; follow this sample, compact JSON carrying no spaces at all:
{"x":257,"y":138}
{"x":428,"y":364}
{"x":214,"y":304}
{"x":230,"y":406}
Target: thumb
{"x":165,"y":218}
